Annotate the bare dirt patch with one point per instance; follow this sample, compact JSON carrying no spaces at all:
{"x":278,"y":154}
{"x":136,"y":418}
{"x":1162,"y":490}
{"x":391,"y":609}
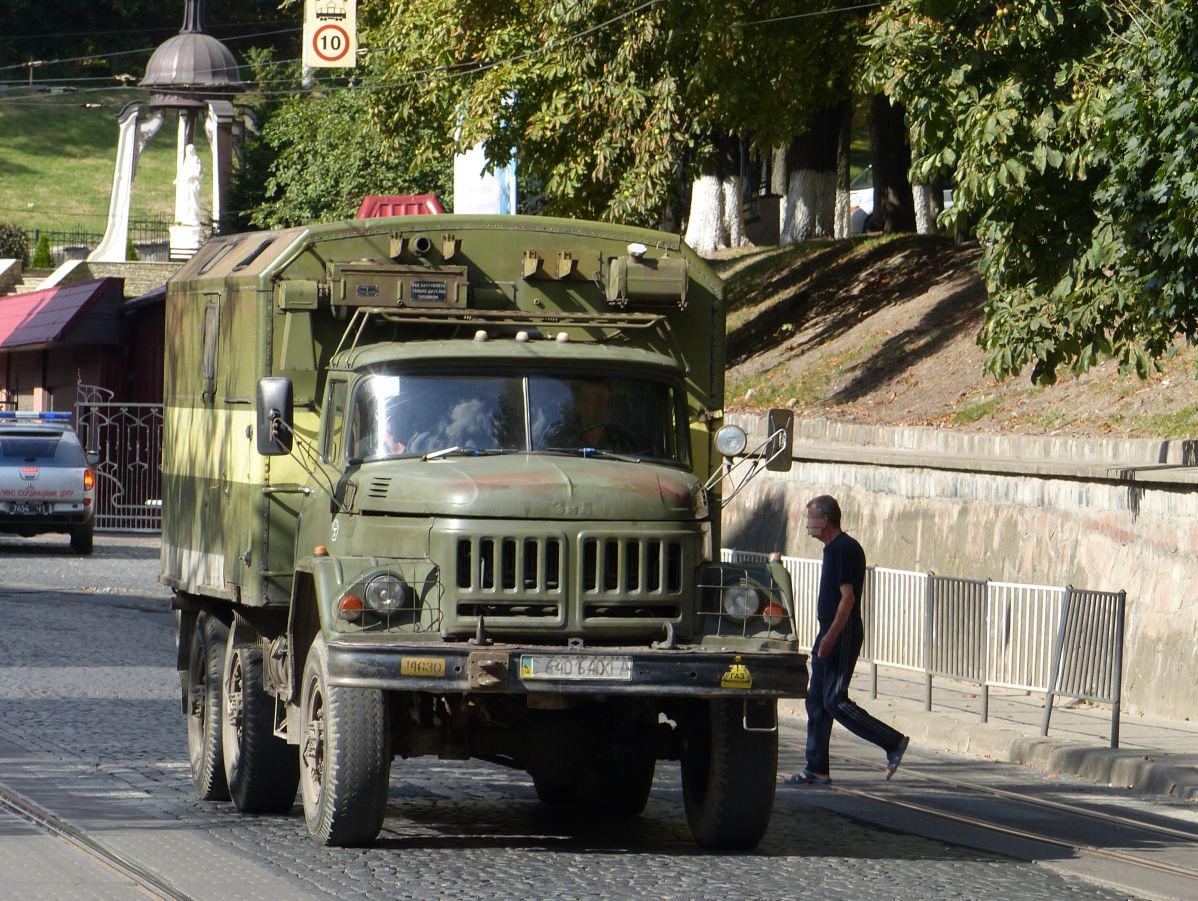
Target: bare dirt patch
{"x":883,"y":331}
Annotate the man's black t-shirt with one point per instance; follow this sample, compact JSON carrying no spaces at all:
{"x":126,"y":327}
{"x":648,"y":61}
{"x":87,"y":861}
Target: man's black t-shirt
{"x":844,"y":562}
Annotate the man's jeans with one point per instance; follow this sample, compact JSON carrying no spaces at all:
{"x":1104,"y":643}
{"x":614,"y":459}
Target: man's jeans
{"x":828,"y":700}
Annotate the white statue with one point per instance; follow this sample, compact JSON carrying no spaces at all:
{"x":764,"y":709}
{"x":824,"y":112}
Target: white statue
{"x":187,"y":188}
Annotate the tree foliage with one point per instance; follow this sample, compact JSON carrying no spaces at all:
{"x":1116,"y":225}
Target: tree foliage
{"x":14,"y":243}
{"x":605,"y":101}
{"x":320,"y":153}
{"x":1067,"y":128}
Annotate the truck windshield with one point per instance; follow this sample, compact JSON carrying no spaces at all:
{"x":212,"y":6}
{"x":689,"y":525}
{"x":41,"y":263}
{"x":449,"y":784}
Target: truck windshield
{"x":423,"y":413}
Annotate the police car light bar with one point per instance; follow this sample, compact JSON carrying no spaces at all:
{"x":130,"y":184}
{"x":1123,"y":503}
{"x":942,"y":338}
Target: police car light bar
{"x":48,"y":417}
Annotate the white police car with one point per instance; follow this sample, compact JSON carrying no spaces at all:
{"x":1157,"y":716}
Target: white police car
{"x":46,"y":482}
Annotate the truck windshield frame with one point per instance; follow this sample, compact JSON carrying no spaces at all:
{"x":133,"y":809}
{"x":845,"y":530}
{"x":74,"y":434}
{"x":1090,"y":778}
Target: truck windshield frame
{"x":417,"y":413}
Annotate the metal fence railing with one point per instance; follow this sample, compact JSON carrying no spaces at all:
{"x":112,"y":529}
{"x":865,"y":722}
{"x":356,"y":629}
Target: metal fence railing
{"x":150,"y":237}
{"x":1059,"y":641}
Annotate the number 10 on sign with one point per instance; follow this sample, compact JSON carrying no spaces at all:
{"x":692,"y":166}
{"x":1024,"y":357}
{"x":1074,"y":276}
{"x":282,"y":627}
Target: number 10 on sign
{"x":330,"y":34}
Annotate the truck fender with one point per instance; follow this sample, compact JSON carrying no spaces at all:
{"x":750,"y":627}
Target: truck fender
{"x":316,"y":589}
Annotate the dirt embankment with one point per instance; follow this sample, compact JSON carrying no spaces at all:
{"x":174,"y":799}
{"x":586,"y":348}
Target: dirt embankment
{"x":884,"y":331}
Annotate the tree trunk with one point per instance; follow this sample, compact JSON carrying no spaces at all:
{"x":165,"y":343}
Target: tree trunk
{"x":894,"y":206}
{"x":779,"y":173}
{"x":843,"y":216}
{"x":808,"y":209}
{"x":717,"y":213}
{"x":734,"y":211}
{"x":929,"y":204}
{"x":705,"y":224}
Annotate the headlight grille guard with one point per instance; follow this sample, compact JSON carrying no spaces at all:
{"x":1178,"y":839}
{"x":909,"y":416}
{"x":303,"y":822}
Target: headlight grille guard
{"x":773,"y":616}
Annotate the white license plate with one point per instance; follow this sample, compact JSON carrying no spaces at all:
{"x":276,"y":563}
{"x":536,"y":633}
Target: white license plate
{"x":576,"y":667}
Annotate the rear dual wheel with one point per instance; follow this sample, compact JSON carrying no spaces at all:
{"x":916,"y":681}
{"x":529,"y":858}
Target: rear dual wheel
{"x":262,"y":770}
{"x":617,"y":785}
{"x":206,"y":655}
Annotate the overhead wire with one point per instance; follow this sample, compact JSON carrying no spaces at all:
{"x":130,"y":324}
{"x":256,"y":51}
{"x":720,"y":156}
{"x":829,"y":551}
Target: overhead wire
{"x":414,"y":76}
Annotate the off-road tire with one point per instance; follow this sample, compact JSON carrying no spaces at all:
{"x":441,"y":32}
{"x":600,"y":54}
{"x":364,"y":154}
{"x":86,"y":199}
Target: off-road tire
{"x":619,"y":786}
{"x":82,"y":540}
{"x":561,"y":793}
{"x":345,"y":757}
{"x":205,"y":664}
{"x":728,"y":777}
{"x":262,"y":770}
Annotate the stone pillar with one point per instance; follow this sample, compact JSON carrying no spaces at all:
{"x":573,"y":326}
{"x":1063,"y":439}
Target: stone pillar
{"x":219,"y":128}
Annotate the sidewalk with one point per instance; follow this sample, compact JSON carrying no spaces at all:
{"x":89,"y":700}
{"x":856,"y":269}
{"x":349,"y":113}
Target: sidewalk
{"x":1154,"y":755}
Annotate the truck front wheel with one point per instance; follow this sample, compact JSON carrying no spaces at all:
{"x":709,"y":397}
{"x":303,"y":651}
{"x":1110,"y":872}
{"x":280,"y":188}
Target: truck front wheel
{"x":206,"y":657}
{"x":729,"y":775}
{"x":345,"y":759}
{"x":262,"y":770}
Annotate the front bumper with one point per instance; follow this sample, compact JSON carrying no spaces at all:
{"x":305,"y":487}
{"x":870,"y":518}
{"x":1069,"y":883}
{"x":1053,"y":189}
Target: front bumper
{"x":496,"y":669}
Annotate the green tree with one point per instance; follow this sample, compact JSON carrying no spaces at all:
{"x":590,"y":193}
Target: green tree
{"x":14,"y":243}
{"x":1066,"y":128}
{"x":42,"y":258}
{"x":320,"y":152}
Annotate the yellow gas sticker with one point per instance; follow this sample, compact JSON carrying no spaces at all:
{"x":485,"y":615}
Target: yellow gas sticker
{"x":430,"y":667}
{"x":737,"y":676}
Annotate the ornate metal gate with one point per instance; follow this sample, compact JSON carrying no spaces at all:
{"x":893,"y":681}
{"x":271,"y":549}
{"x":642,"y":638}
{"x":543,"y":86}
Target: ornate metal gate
{"x":128,"y":439}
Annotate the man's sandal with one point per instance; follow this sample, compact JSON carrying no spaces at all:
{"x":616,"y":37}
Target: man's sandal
{"x":806,"y":777}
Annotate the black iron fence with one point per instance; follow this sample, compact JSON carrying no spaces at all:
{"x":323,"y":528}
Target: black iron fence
{"x":150,"y":237}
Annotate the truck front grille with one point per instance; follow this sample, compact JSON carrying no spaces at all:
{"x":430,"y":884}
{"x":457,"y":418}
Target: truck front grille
{"x":609,"y":581}
{"x":510,"y":577}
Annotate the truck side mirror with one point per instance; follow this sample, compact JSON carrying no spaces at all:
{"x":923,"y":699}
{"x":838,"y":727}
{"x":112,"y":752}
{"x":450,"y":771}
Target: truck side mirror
{"x":781,"y":426}
{"x":275,"y":414}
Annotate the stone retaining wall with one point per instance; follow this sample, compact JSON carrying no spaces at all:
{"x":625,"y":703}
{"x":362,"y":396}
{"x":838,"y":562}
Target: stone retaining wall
{"x":1104,"y":515}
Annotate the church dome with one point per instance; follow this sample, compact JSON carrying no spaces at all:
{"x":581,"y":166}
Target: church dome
{"x":191,"y":66}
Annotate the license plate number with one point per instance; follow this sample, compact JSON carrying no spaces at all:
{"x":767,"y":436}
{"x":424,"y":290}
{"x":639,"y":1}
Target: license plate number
{"x":576,"y":668}
{"x":28,"y":509}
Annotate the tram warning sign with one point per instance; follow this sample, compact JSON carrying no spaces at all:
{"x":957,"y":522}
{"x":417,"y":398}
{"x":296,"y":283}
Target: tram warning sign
{"x":331,"y":34}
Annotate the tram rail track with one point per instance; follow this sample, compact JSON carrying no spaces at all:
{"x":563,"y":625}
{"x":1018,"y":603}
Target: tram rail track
{"x":136,"y":876}
{"x":1074,"y":810}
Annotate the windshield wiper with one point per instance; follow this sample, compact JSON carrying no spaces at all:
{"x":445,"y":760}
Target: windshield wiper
{"x":459,"y":451}
{"x":589,"y":452}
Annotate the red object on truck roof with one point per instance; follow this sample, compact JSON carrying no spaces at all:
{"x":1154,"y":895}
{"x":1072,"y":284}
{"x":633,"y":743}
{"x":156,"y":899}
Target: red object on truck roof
{"x":377,"y":205}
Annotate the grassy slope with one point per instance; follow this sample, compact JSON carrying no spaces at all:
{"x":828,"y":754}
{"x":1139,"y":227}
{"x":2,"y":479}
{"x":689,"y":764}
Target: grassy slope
{"x":883,"y":331}
{"x":57,"y":158}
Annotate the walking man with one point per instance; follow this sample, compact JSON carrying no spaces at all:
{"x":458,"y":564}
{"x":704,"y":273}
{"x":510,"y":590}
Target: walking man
{"x":834,"y":653}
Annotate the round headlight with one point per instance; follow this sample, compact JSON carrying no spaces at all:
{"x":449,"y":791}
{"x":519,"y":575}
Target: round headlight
{"x":386,"y":594}
{"x":731,"y":440}
{"x":740,"y":601}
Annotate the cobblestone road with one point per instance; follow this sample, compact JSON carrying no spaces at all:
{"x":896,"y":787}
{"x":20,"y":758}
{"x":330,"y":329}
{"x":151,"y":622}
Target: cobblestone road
{"x":89,"y":693}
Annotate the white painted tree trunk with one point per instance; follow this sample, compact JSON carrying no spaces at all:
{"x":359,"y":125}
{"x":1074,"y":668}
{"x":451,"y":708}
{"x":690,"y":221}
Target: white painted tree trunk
{"x":705,"y":226}
{"x":925,"y":217}
{"x":734,"y":211}
{"x":808,"y":208}
{"x":843,"y":215}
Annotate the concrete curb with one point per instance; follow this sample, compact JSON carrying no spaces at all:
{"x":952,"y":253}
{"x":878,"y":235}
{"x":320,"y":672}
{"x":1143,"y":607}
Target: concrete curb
{"x":1133,"y":769}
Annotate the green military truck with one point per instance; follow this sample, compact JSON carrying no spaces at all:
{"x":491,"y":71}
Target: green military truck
{"x":449,"y":485}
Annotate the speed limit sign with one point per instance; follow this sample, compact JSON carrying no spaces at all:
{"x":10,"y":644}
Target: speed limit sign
{"x":330,"y":34}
